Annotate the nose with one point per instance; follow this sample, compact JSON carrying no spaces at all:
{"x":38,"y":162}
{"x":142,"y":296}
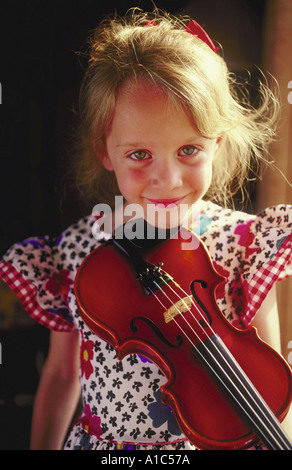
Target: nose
{"x":166,"y":176}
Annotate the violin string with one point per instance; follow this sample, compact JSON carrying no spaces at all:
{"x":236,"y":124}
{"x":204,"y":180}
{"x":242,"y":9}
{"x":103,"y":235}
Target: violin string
{"x":205,"y":346}
{"x":202,"y":342}
{"x":175,"y":306}
{"x":218,"y":350}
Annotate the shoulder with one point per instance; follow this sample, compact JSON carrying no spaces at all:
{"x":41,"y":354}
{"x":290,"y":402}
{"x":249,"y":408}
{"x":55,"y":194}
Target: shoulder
{"x":77,"y":240}
{"x":275,"y":221}
{"x":213,"y":215}
{"x":41,"y":271}
{"x":252,"y":251}
{"x":260,"y":237}
{"x":219,"y":226}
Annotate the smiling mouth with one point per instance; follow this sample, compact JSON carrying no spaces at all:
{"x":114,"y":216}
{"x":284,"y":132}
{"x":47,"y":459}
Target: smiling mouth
{"x":166,"y":203}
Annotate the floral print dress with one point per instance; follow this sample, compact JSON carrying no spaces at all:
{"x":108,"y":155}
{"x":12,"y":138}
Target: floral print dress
{"x":122,"y":406}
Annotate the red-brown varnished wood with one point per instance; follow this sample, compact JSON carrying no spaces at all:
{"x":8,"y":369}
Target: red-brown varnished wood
{"x":111,"y":301}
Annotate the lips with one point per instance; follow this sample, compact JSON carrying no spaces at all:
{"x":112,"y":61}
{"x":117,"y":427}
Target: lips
{"x":165,"y":203}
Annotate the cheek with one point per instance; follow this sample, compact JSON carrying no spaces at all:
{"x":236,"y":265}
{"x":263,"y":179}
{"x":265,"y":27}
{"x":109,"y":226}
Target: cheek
{"x":201,"y":175}
{"x":137,"y":176}
{"x":130,"y":182}
{"x":206,"y":178}
{"x":208,"y":173}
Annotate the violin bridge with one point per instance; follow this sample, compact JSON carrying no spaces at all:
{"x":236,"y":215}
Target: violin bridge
{"x":182,"y":306}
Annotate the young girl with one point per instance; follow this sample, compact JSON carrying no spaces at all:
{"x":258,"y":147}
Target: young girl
{"x":163,"y":126}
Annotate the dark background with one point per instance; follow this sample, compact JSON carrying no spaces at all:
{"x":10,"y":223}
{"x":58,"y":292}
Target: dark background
{"x":40,"y":74}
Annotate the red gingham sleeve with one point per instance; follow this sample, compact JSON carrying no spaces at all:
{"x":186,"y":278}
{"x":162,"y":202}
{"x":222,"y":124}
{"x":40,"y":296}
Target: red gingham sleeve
{"x":34,"y":270}
{"x":267,"y":257}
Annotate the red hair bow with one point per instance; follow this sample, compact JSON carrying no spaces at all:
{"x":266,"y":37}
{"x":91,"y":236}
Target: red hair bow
{"x":196,"y":30}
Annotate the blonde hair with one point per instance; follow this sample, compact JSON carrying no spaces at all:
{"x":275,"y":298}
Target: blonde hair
{"x":191,"y":74}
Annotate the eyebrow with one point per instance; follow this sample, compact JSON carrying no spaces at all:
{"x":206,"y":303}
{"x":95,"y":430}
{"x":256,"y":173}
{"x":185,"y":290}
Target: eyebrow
{"x":131,"y":144}
{"x":189,"y":139}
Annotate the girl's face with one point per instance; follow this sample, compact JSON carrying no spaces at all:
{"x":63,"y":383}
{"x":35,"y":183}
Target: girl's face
{"x":160,"y":160}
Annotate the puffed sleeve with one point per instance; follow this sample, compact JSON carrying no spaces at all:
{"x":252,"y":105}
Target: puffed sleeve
{"x":267,"y":255}
{"x":35,"y":271}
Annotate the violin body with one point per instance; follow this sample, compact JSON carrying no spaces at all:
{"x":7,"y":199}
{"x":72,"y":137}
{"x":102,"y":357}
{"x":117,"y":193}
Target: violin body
{"x":116,"y":308}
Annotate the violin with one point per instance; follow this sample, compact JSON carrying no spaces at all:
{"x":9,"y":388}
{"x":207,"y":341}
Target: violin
{"x":227,"y":388}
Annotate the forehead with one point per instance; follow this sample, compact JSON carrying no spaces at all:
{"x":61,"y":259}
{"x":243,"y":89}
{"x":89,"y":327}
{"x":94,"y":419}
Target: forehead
{"x":136,"y":94}
{"x":147,"y":103}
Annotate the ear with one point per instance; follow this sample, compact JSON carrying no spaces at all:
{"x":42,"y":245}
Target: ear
{"x":218,"y":145}
{"x":107,"y":164}
{"x":219,"y":141}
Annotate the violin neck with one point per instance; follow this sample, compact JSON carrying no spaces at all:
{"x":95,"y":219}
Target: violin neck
{"x":218,"y":361}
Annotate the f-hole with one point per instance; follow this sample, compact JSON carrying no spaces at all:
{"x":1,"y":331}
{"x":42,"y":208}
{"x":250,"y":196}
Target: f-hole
{"x":204,"y":285}
{"x":156,"y":330}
